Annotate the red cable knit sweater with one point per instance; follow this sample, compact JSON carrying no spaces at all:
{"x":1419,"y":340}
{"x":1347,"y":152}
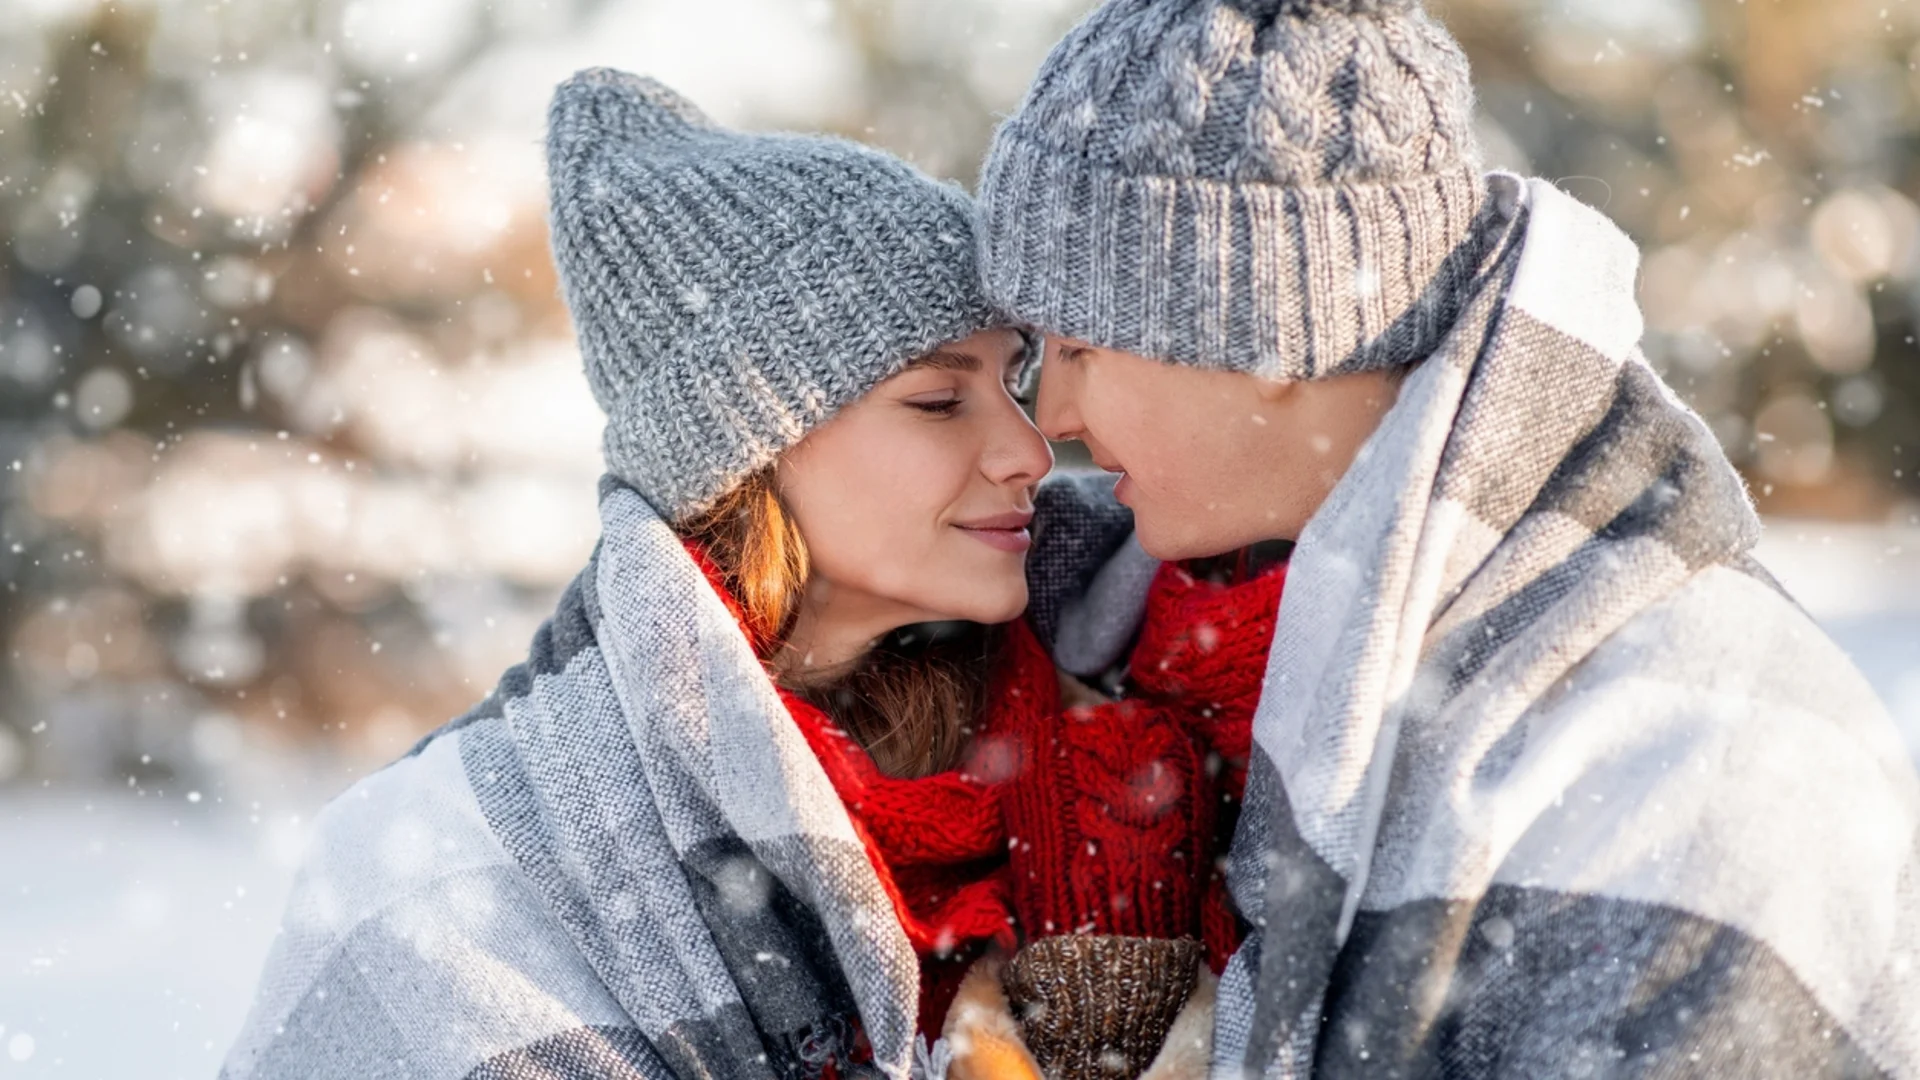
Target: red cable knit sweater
{"x":1119,"y":821}
{"x":1109,"y":824}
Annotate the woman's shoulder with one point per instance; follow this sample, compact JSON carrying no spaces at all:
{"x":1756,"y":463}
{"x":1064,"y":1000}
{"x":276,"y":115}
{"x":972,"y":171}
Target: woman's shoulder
{"x":397,"y":831}
{"x":403,"y":885}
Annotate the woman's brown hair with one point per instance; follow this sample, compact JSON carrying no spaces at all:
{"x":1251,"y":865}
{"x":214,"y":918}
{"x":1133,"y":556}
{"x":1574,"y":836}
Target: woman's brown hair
{"x":911,"y":701}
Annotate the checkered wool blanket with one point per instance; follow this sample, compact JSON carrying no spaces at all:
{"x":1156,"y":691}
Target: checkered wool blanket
{"x":1550,"y":778}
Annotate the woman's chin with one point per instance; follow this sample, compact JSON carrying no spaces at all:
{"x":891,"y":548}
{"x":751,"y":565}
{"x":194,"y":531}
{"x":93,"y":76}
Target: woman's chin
{"x":991,"y":602}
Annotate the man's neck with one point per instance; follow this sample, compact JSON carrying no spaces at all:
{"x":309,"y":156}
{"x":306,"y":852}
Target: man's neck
{"x":1244,"y":564}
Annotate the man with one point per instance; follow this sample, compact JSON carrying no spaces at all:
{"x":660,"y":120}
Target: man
{"x":1549,"y":777}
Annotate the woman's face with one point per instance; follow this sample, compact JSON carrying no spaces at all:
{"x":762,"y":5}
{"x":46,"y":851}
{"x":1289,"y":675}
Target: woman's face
{"x":914,"y":501}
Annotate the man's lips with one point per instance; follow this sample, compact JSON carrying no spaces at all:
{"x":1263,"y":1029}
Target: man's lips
{"x":1123,"y":486}
{"x":1007,"y":532}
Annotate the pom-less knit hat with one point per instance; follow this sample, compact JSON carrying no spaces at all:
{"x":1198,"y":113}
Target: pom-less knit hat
{"x":732,"y":291}
{"x":1269,"y":186}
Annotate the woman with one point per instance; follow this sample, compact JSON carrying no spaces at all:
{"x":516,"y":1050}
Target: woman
{"x":740,"y":811}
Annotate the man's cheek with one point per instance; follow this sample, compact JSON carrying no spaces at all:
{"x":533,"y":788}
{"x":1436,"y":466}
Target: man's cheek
{"x":1119,"y":426}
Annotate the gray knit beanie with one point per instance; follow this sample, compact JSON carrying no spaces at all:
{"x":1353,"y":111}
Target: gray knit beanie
{"x":1283,"y":187}
{"x":732,"y":291}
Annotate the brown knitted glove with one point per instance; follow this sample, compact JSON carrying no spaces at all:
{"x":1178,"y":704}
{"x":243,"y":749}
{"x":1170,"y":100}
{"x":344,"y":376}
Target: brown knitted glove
{"x":1097,"y":1007}
{"x":1188,"y":1051}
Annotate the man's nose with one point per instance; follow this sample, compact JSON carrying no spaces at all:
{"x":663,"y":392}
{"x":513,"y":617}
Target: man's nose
{"x":1055,"y":405}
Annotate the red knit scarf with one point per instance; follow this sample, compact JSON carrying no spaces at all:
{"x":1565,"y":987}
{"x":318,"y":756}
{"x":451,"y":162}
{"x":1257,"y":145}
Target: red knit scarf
{"x":938,"y":843}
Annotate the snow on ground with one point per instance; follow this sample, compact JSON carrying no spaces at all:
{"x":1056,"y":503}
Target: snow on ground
{"x":132,"y":926}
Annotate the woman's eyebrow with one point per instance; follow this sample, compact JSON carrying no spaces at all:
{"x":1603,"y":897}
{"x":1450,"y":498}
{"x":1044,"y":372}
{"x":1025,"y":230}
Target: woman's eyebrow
{"x":947,"y":360}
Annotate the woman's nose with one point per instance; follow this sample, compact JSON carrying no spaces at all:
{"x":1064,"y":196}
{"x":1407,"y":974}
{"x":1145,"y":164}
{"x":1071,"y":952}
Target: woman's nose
{"x":1017,"y":454}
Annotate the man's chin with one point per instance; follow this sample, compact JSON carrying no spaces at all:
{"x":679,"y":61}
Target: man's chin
{"x":1175,"y":547}
{"x":1184,"y":541}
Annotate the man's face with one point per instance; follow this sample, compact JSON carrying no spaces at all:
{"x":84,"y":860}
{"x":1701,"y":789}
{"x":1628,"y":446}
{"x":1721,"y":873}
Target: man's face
{"x":1212,"y":460}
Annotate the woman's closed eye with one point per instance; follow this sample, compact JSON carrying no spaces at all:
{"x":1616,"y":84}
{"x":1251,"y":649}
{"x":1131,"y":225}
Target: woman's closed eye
{"x":943,"y":403}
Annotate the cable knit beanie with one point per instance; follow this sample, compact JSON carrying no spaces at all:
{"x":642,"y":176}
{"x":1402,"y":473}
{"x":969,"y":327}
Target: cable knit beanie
{"x":1279,"y":187}
{"x":732,"y":291}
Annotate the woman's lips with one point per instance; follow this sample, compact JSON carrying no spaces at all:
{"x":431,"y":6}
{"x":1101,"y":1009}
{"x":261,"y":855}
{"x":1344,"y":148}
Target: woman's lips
{"x":1006,"y":532}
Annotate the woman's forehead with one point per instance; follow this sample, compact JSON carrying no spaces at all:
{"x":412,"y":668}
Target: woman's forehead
{"x":995,"y":347}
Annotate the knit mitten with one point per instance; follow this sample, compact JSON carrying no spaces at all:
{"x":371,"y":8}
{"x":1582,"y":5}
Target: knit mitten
{"x":1187,"y":1052}
{"x":1099,"y":1007}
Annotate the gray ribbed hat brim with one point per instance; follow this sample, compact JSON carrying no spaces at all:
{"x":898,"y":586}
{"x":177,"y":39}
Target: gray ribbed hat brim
{"x":1290,"y":282}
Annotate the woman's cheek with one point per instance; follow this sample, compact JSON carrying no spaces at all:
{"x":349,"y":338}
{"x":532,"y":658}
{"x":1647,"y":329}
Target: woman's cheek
{"x":892,"y":546}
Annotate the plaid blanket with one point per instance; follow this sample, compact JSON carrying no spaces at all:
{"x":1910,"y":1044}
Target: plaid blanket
{"x":1550,"y":778}
{"x":625,"y":862}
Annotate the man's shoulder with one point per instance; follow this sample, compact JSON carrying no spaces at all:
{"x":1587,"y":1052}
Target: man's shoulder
{"x":1731,"y":631}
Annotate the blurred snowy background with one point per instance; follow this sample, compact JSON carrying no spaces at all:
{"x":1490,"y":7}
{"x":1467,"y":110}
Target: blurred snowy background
{"x":294,"y":451}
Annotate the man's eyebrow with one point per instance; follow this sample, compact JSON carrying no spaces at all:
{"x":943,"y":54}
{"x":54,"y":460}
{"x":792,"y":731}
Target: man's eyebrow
{"x":947,"y":360}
